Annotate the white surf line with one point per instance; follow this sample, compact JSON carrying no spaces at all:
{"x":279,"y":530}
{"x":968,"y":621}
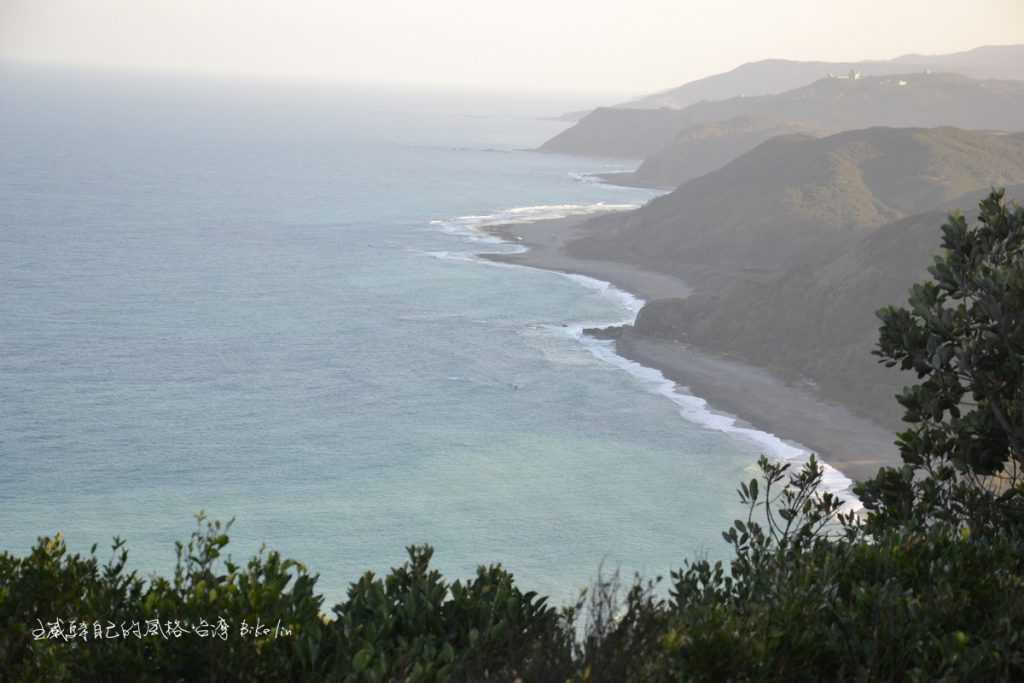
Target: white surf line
{"x":691,"y":408}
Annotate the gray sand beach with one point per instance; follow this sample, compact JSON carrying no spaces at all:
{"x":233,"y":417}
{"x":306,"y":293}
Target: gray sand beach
{"x":851,"y":443}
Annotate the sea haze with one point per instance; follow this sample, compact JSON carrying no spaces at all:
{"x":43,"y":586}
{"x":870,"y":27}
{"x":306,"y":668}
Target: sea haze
{"x":262,"y":302}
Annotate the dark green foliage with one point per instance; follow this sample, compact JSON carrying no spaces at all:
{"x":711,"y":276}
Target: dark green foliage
{"x":812,"y":597}
{"x":927,"y":585}
{"x":51,"y":584}
{"x":410,"y":626}
{"x":963,"y":335}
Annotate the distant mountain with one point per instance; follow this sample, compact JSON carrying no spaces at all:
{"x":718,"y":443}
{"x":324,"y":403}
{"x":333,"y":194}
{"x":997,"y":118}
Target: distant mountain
{"x":704,"y":148}
{"x":817,"y":320}
{"x":920,"y":100}
{"x":772,"y":76}
{"x":763,"y":211}
{"x":992,"y":61}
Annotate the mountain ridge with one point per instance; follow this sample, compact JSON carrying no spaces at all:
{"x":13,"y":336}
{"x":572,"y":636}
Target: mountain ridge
{"x":705,"y":147}
{"x":773,"y":76}
{"x":792,"y":193}
{"x":901,"y":100}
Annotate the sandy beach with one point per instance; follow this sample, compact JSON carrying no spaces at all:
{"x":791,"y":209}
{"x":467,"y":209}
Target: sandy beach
{"x":546,"y":239}
{"x":854,"y":445}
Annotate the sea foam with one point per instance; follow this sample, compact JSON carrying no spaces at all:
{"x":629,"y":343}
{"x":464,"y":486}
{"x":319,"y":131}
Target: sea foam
{"x":598,"y":178}
{"x":473,"y":228}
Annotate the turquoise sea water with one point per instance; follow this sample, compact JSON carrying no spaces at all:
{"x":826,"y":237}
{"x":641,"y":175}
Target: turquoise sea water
{"x":262,"y":302}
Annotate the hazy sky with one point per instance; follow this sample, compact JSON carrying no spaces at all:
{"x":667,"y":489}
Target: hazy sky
{"x":621,"y":46}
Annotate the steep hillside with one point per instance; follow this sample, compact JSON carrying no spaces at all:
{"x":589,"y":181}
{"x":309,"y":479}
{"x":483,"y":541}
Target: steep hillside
{"x":817,"y":320}
{"x":794,"y":193}
{"x":704,"y":148}
{"x":830,"y":104}
{"x":627,"y":133}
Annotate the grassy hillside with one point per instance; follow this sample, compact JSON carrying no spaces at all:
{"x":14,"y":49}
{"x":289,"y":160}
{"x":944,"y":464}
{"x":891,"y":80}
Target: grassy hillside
{"x":817,"y":320}
{"x":913,"y":99}
{"x":704,"y":148}
{"x":797,"y":193}
{"x":627,"y":133}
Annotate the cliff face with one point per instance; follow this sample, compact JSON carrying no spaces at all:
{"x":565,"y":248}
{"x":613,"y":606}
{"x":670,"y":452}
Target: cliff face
{"x":913,"y":99}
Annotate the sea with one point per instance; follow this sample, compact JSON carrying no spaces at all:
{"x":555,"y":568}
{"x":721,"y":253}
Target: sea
{"x":265,"y":302}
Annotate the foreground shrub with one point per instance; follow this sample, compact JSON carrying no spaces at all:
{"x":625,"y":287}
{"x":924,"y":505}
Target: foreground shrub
{"x":808,"y":596}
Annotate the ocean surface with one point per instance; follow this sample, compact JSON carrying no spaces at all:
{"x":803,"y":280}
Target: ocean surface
{"x":264,"y":302}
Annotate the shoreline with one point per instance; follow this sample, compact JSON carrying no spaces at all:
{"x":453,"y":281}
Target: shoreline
{"x":544,"y":242}
{"x":851,"y":444}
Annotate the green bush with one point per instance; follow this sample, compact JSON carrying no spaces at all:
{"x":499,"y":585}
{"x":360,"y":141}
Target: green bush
{"x":411,"y":625}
